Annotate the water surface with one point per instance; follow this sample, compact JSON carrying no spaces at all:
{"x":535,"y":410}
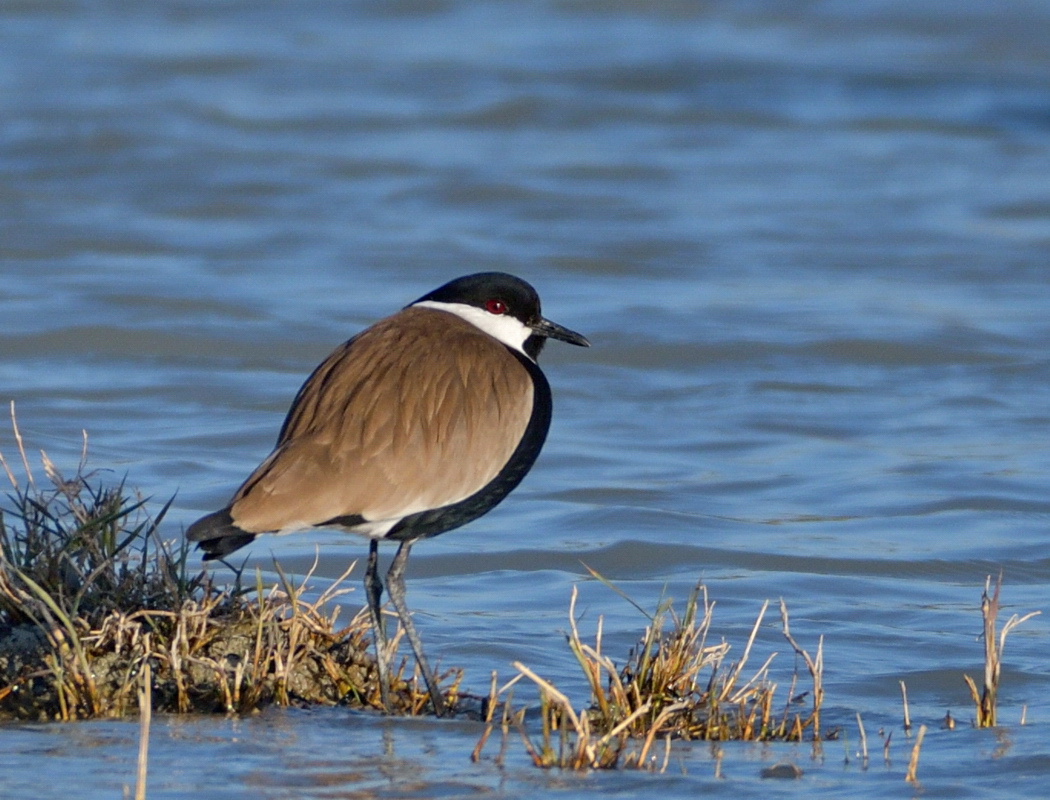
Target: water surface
{"x":808,"y":242}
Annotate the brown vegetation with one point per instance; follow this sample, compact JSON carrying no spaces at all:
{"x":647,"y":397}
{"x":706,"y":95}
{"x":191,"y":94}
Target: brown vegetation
{"x":674,"y":684}
{"x":90,"y":594}
{"x":985,"y":702}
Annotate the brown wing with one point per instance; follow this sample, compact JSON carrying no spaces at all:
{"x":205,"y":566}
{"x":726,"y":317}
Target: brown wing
{"x":420,"y":410}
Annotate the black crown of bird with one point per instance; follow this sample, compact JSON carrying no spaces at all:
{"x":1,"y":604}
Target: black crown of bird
{"x":415,"y":426}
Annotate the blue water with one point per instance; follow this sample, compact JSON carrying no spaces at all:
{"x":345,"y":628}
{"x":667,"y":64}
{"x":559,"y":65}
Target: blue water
{"x":808,"y":242}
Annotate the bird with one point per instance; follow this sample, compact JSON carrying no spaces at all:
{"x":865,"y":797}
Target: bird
{"x":419,"y":424}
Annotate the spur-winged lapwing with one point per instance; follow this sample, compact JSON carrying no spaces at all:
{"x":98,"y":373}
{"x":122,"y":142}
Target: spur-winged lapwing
{"x":417,"y":425}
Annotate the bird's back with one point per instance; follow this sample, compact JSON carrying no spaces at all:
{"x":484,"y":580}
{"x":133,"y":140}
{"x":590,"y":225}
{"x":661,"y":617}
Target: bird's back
{"x":417,"y":412}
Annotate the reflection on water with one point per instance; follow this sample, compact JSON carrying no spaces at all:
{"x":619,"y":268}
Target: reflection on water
{"x":809,"y":249}
{"x":334,"y":753}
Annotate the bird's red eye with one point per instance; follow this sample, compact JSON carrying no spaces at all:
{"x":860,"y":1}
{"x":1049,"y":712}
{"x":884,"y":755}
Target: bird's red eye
{"x":495,"y":306}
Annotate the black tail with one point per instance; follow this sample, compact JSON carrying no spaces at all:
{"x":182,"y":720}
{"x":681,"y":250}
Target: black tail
{"x":217,"y":535}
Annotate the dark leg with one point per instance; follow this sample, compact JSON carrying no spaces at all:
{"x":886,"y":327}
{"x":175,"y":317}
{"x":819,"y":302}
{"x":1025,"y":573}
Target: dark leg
{"x":374,"y":593}
{"x":395,"y":586}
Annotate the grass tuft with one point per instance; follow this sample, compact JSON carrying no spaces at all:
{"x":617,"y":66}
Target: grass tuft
{"x":91,"y":597}
{"x":674,"y":684}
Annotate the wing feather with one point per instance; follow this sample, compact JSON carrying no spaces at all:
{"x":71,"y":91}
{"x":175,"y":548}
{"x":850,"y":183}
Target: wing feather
{"x":419,"y":411}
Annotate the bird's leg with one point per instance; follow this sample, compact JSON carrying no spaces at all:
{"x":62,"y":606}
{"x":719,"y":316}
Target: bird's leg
{"x":374,"y":593}
{"x":395,"y":586}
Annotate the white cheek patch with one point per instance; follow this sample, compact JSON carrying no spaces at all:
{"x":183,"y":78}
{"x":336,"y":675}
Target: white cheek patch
{"x":509,"y":330}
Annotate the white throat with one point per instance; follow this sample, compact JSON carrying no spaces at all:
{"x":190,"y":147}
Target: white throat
{"x":509,"y":330}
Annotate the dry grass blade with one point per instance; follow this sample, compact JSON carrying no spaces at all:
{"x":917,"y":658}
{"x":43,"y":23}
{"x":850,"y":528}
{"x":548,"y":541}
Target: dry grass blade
{"x":815,"y":665}
{"x":907,"y":711}
{"x":734,"y":674}
{"x":145,"y":717}
{"x":21,"y":449}
{"x":616,"y":589}
{"x":863,"y":742}
{"x":911,"y":776}
{"x":986,"y":701}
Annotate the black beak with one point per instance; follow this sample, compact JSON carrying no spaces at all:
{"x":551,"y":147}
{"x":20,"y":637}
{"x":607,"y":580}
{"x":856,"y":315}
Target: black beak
{"x":552,"y":330}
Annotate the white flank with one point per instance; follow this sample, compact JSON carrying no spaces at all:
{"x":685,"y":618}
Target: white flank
{"x":373,"y":529}
{"x":509,"y":330}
